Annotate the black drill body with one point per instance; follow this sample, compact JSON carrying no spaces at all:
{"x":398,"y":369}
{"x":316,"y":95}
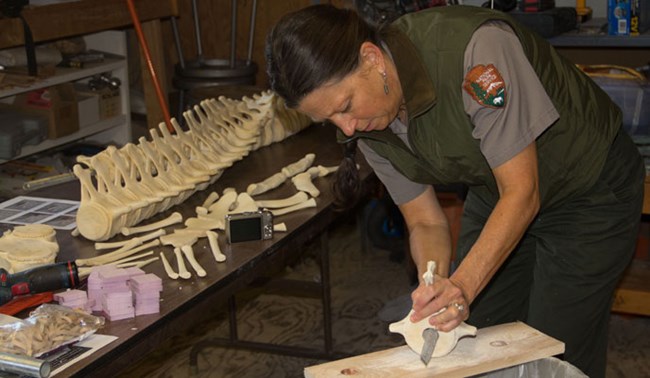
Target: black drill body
{"x":40,"y":279}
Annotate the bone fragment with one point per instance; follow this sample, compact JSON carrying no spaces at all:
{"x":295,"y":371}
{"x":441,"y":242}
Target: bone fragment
{"x":179,"y":238}
{"x":284,"y":202}
{"x":213,"y":196}
{"x":182,"y":270}
{"x":280,"y":227}
{"x":116,"y":255}
{"x":141,"y":239}
{"x":214,"y":246}
{"x":137,"y":264}
{"x":176,"y":217}
{"x":168,"y":268}
{"x":245,"y":203}
{"x":131,"y":258}
{"x":189,"y":254}
{"x":299,"y":166}
{"x":267,"y":184}
{"x":302,"y":181}
{"x":324,"y":171}
{"x":303,"y":205}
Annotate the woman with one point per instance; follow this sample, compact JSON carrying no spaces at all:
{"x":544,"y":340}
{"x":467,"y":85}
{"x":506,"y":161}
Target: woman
{"x":466,"y":95}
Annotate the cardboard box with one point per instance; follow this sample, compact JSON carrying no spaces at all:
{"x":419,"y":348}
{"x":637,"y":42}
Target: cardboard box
{"x":58,"y":103}
{"x":88,"y":107}
{"x":628,"y":17}
{"x":640,"y":17}
{"x":619,"y":16}
{"x":110,"y":100}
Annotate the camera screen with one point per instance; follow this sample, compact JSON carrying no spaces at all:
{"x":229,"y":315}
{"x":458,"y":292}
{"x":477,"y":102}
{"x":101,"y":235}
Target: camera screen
{"x":245,"y":229}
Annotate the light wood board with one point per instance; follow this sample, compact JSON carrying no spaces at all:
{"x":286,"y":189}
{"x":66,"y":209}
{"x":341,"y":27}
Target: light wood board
{"x":493,"y":348}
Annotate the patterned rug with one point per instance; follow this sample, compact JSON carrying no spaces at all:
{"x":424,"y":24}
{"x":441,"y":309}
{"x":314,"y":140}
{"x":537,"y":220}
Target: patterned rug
{"x":363,"y":282}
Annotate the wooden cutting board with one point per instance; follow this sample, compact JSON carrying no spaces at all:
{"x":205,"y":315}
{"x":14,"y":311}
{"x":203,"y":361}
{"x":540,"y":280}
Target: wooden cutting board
{"x":493,"y":348}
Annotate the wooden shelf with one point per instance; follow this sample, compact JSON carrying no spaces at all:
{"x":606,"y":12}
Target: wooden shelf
{"x":593,"y":33}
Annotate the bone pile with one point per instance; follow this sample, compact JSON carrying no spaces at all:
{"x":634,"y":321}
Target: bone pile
{"x":121,"y":187}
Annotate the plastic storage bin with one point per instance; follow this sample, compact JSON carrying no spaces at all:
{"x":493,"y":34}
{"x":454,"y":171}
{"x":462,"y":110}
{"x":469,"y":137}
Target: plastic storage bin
{"x":629,"y":90}
{"x":549,"y":367}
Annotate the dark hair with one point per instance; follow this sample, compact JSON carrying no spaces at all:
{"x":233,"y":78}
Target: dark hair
{"x":311,"y":46}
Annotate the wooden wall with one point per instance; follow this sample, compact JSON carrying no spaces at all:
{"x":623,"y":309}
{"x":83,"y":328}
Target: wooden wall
{"x":215,"y":25}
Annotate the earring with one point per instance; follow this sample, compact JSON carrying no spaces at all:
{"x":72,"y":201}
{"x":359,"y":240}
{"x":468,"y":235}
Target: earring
{"x":384,"y":76}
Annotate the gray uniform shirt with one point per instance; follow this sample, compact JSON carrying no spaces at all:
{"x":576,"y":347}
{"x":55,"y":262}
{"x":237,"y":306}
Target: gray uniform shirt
{"x":503,"y":132}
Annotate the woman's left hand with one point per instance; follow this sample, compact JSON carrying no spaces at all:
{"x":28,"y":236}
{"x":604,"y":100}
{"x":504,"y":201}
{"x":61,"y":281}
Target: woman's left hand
{"x":443,"y":302}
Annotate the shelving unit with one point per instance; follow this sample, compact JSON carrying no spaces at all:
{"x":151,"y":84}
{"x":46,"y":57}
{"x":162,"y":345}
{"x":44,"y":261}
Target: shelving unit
{"x":116,"y":130}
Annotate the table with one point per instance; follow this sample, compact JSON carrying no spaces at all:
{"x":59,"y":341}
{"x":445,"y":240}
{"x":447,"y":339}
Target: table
{"x":187,"y":302}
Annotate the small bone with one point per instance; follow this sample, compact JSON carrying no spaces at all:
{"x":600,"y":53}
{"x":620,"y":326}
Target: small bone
{"x":324,"y":171}
{"x":280,"y":227}
{"x":137,"y":264}
{"x":182,"y":270}
{"x":303,"y":205}
{"x":116,"y":255}
{"x":284,"y":202}
{"x":245,"y":203}
{"x":302,"y":181}
{"x":141,"y":239}
{"x":299,"y":166}
{"x":267,"y":184}
{"x":170,"y":220}
{"x":168,"y":268}
{"x":131,"y":258}
{"x":214,"y":246}
{"x":189,"y":254}
{"x":178,"y":239}
{"x":213,"y":196}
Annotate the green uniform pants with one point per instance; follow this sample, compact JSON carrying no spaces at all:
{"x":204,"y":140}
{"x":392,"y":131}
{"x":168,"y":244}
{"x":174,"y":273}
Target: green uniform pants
{"x":561,"y":277}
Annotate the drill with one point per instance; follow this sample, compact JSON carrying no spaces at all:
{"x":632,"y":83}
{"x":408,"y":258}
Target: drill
{"x":38,"y":280}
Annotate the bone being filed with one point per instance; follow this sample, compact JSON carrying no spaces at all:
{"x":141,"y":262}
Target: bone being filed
{"x":182,"y":269}
{"x":189,"y":254}
{"x":174,"y":218}
{"x":303,"y":205}
{"x":168,"y":268}
{"x":447,"y":341}
{"x":214,"y":246}
{"x":267,"y":184}
{"x":299,"y":166}
{"x":284,"y":202}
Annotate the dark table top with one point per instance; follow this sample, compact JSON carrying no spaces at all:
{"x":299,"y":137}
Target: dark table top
{"x":187,"y":302}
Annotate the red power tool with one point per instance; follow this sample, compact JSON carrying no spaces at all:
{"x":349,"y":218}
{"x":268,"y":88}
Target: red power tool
{"x":38,"y":280}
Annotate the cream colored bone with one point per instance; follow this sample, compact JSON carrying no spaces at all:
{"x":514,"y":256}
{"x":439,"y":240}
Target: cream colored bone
{"x":189,"y":255}
{"x":244,"y":203}
{"x":174,"y":218}
{"x":137,"y":264}
{"x":303,"y":205}
{"x":303,"y":182}
{"x":130,"y":258}
{"x":412,"y":332}
{"x":180,"y":238}
{"x":204,"y":224}
{"x":299,"y":166}
{"x":284,"y":202}
{"x":121,"y":253}
{"x":213,"y":239}
{"x":267,"y":184}
{"x":210,"y":199}
{"x":141,"y":239}
{"x":280,"y":227}
{"x":168,"y":268}
{"x":182,"y":269}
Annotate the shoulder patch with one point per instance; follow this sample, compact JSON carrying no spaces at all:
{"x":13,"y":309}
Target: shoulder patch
{"x":486,"y":86}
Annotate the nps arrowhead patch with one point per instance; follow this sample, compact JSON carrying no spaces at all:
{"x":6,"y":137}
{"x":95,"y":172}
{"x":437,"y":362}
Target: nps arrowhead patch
{"x":486,"y":86}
